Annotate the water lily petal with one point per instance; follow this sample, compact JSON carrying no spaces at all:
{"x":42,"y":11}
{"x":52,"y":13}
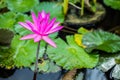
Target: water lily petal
{"x":37,"y":38}
{"x":54,"y":30}
{"x":50,"y":25}
{"x":30,"y":36}
{"x":49,"y":41}
{"x":47,"y":16}
{"x":43,"y":26}
{"x":32,"y":26}
{"x":34,"y":18}
{"x":43,"y":14}
{"x":39,"y":20}
{"x":25,"y":25}
{"x":39,"y":17}
{"x":55,"y":25}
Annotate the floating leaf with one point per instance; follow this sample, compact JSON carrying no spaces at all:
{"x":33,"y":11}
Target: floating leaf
{"x":70,"y":55}
{"x":55,"y":9}
{"x":102,"y":40}
{"x":7,"y":20}
{"x":82,"y":30}
{"x":21,"y":5}
{"x":115,"y":4}
{"x":25,"y":51}
{"x":20,"y":30}
{"x":22,"y":17}
{"x":54,"y":35}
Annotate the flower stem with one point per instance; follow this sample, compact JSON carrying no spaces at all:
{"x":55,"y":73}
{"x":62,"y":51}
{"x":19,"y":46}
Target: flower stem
{"x":36,"y":63}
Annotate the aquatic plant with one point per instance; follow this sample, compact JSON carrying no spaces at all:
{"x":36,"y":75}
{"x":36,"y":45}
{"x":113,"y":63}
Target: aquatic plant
{"x":41,"y":27}
{"x":115,"y":4}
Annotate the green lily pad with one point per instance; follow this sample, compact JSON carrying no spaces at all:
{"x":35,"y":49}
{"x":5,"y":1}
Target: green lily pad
{"x":2,"y":4}
{"x":22,"y":53}
{"x":70,"y":55}
{"x":102,"y":40}
{"x":25,"y":52}
{"x":21,"y":5}
{"x":7,"y":20}
{"x":21,"y":31}
{"x":22,"y":17}
{"x":115,"y":4}
{"x":54,"y":8}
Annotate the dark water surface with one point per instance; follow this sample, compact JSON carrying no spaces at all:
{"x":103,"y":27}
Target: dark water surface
{"x":26,"y":74}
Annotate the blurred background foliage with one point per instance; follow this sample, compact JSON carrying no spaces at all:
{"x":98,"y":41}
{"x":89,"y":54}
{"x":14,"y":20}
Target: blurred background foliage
{"x":86,"y":48}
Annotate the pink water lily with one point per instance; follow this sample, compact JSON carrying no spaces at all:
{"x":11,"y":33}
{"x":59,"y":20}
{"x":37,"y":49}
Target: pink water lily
{"x":41,"y":27}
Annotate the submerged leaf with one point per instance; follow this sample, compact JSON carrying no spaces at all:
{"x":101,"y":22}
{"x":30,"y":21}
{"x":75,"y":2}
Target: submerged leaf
{"x":55,"y":9}
{"x":102,"y":40}
{"x":42,"y":67}
{"x":47,"y":66}
{"x":70,"y":55}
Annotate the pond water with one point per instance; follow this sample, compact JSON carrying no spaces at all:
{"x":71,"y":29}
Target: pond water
{"x":27,"y":74}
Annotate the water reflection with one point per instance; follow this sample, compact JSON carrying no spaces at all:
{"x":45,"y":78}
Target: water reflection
{"x":26,"y":74}
{"x":94,"y":74}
